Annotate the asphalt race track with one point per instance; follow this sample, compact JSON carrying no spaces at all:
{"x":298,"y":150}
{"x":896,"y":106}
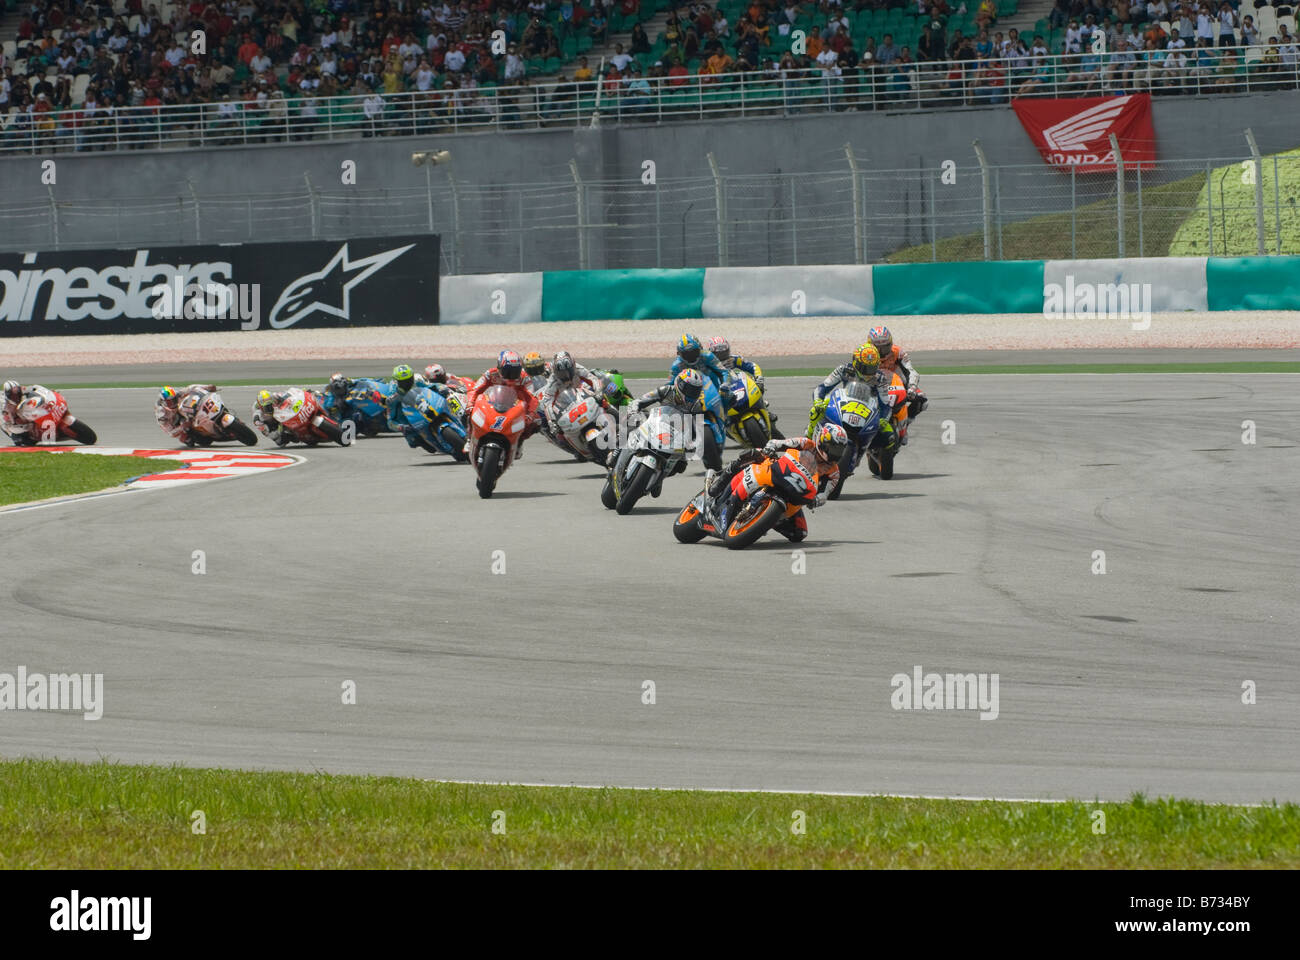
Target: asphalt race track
{"x":374,"y":564}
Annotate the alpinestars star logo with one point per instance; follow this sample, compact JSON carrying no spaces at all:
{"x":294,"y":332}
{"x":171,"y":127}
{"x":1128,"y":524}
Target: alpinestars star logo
{"x":1078,"y":131}
{"x":329,"y":290}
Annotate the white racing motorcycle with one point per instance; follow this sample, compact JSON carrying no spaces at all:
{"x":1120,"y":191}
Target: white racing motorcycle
{"x":212,"y":420}
{"x":658,"y":448}
{"x":581,"y":425}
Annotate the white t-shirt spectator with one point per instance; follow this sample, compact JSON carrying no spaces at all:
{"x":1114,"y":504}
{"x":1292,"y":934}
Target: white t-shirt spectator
{"x":826,"y":60}
{"x":373,"y":106}
{"x":118,"y":42}
{"x":455,"y":61}
{"x":721,"y":27}
{"x":330,"y":66}
{"x":329,"y":40}
{"x":621,"y":60}
{"x":1074,"y":38}
{"x":514,"y":66}
{"x":260,"y":63}
{"x":423,"y":79}
{"x":175,"y":56}
{"x":1158,"y":10}
{"x":1204,"y":26}
{"x":409,"y":50}
{"x":1175,"y":43}
{"x":435,"y":40}
{"x":1227,"y":22}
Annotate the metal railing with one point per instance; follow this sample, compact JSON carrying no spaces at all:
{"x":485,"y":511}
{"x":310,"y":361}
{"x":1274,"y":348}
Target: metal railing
{"x":846,"y":213}
{"x":909,"y":86}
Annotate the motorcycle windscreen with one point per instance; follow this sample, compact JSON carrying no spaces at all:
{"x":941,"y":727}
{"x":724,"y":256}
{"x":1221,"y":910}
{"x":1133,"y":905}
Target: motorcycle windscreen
{"x":567,"y":398}
{"x":501,"y":398}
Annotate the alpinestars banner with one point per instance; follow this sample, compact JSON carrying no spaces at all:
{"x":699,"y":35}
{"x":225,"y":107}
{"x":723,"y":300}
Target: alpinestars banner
{"x":249,"y":286}
{"x":1076,"y":133}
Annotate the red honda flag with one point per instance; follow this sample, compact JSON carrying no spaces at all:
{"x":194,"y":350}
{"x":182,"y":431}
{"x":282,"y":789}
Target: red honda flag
{"x":1076,"y":133}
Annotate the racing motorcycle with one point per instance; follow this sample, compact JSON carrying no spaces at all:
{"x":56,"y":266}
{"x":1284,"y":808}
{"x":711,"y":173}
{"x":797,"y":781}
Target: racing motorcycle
{"x":657,"y":448}
{"x":496,"y":425}
{"x":778,"y":487}
{"x":435,"y":422}
{"x":748,"y":420}
{"x":301,"y":413}
{"x":880,"y":455}
{"x":856,"y":408}
{"x":613,"y":388}
{"x":366,"y":405}
{"x":211,"y":420}
{"x":581,"y":426}
{"x":47,"y":412}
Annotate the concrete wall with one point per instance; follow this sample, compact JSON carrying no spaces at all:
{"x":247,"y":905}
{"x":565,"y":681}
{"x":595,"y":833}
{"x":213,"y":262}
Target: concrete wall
{"x":773,"y":217}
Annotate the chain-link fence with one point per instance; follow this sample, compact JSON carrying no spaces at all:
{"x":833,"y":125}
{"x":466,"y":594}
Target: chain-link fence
{"x":1227,"y":206}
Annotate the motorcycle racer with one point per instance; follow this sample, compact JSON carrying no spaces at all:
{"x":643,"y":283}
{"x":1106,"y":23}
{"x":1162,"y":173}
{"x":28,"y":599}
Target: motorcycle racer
{"x":896,"y":360}
{"x":721,"y":350}
{"x":264,"y":417}
{"x":566,"y":372}
{"x":818,"y":459}
{"x":18,"y":430}
{"x":864,"y":365}
{"x":685,"y":393}
{"x":535,"y":366}
{"x":691,"y":355}
{"x":509,"y":372}
{"x":169,"y":413}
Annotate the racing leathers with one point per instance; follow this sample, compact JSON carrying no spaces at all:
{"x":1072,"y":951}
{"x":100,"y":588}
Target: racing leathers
{"x":733,"y":486}
{"x":879,"y":385}
{"x":555,"y":386}
{"x":532,"y":413}
{"x":712,"y":446}
{"x":714,"y":415}
{"x":173,"y":420}
{"x":265,"y":423}
{"x":897,"y":361}
{"x":21,"y":432}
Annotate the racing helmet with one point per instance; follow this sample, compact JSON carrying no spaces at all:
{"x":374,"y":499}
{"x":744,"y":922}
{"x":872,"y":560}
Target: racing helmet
{"x":831,"y":441}
{"x":534,"y":365}
{"x":509,"y":365}
{"x":720,"y":348}
{"x":435,"y":373}
{"x":688,"y":348}
{"x":13,"y":390}
{"x":563,"y":367}
{"x":404,"y":377}
{"x":338,"y":385}
{"x":264,"y":399}
{"x":687,"y":387}
{"x":881,"y":339}
{"x":866,"y":361}
{"x":167,"y":395}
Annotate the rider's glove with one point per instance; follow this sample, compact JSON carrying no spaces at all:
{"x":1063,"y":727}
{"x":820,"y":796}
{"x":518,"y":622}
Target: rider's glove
{"x":772,"y":448}
{"x":821,"y":500}
{"x":819,"y":406}
{"x":762,"y":384}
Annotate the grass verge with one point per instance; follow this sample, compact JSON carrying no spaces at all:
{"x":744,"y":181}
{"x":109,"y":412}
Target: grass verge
{"x":35,"y":475}
{"x":93,"y":816}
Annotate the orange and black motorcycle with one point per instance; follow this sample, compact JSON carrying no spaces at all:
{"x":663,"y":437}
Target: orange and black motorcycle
{"x":770,"y":493}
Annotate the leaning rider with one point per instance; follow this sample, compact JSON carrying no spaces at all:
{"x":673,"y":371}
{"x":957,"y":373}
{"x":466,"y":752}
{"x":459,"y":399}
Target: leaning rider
{"x":863,"y":366}
{"x":264,"y":418}
{"x":895,"y":360}
{"x":685,"y":394}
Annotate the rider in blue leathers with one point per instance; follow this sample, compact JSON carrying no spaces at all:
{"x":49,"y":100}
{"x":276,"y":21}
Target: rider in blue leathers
{"x":691,"y":355}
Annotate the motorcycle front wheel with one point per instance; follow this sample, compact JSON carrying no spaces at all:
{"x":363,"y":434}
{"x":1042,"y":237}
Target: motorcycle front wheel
{"x":489,"y":470}
{"x":751,"y":522}
{"x":635,"y":489}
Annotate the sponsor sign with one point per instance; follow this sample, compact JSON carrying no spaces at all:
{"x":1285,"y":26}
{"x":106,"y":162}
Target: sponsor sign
{"x":314,"y":283}
{"x":1076,"y":133}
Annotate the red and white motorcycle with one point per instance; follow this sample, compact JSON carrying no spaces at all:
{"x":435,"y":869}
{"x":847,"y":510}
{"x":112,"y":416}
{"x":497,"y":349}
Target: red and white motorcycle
{"x":211,"y":420}
{"x":300,"y":412}
{"x":47,"y":412}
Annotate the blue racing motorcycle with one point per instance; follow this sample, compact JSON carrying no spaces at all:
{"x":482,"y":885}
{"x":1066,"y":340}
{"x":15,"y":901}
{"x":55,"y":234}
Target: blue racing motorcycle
{"x":436,"y":422}
{"x":856,"y":408}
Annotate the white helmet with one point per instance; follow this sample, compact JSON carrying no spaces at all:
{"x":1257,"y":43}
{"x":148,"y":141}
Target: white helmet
{"x":13,"y":390}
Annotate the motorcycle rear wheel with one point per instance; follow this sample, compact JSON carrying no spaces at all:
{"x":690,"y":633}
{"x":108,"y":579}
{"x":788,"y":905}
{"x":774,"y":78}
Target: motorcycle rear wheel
{"x":332,"y":431}
{"x":755,"y":434}
{"x":454,"y":443}
{"x":607,"y":496}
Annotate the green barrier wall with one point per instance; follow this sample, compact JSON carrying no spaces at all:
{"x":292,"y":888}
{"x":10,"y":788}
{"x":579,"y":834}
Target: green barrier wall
{"x":921,"y":288}
{"x":622,"y":294}
{"x":1253,"y":283}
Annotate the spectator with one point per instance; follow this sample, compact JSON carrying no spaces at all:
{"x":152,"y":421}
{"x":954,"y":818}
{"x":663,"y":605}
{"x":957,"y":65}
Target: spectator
{"x":640,"y":43}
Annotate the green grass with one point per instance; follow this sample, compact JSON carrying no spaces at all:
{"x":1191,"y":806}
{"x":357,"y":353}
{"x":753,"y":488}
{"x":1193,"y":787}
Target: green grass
{"x":37,"y":476}
{"x":1233,"y":211}
{"x":1173,"y":221}
{"x":68,"y":815}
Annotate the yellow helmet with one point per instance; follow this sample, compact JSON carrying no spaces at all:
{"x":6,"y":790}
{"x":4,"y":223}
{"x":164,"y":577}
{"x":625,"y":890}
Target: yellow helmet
{"x":866,"y":361}
{"x":264,"y":398}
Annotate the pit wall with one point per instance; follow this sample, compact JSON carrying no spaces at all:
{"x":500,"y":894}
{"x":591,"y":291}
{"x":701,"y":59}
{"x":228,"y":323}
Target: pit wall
{"x":1019,"y":286}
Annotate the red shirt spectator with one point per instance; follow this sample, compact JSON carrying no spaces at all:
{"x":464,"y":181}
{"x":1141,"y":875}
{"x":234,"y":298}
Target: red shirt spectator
{"x":247,"y":50}
{"x":677,"y":75}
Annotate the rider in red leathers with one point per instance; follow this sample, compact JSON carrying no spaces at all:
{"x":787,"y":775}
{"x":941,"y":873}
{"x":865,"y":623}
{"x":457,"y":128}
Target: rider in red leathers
{"x":509,"y":372}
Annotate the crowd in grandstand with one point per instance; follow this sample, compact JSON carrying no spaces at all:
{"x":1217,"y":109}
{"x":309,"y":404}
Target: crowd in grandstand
{"x":257,"y":61}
